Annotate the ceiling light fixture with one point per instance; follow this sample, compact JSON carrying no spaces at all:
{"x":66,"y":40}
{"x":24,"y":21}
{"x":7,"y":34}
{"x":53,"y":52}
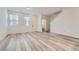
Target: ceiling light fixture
{"x":28,"y":8}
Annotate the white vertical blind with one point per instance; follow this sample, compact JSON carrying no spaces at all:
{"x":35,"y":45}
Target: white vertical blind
{"x":27,"y":20}
{"x":13,"y":20}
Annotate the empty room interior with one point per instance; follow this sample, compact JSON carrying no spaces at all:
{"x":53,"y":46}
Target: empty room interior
{"x":39,"y":29}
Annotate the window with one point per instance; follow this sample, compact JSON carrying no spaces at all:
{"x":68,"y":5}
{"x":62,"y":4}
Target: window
{"x":26,"y":20}
{"x":13,"y":20}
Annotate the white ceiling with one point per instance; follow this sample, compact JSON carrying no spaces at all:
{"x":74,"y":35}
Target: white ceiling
{"x":36,"y":10}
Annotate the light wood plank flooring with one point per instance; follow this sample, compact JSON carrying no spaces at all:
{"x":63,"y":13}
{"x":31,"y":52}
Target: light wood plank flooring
{"x":39,"y":41}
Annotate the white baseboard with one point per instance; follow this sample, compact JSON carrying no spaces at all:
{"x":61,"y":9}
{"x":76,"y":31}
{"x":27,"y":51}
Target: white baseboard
{"x":70,"y":35}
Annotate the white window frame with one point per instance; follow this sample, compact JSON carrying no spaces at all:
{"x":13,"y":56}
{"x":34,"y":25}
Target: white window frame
{"x":27,"y":21}
{"x":15,"y":21}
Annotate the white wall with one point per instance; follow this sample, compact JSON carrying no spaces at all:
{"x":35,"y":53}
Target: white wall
{"x":39,"y":23}
{"x":21,"y":28}
{"x":33,"y":23}
{"x":3,"y":23}
{"x":67,"y":22}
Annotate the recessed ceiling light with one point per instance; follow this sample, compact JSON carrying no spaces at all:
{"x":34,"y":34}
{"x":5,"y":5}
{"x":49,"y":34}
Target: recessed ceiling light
{"x":28,"y":8}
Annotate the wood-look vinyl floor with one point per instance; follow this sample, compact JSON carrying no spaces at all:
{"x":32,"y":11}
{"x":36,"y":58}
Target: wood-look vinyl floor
{"x":39,"y":41}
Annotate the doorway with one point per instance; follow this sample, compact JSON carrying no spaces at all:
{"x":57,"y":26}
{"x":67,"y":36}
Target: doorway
{"x":44,"y":25}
